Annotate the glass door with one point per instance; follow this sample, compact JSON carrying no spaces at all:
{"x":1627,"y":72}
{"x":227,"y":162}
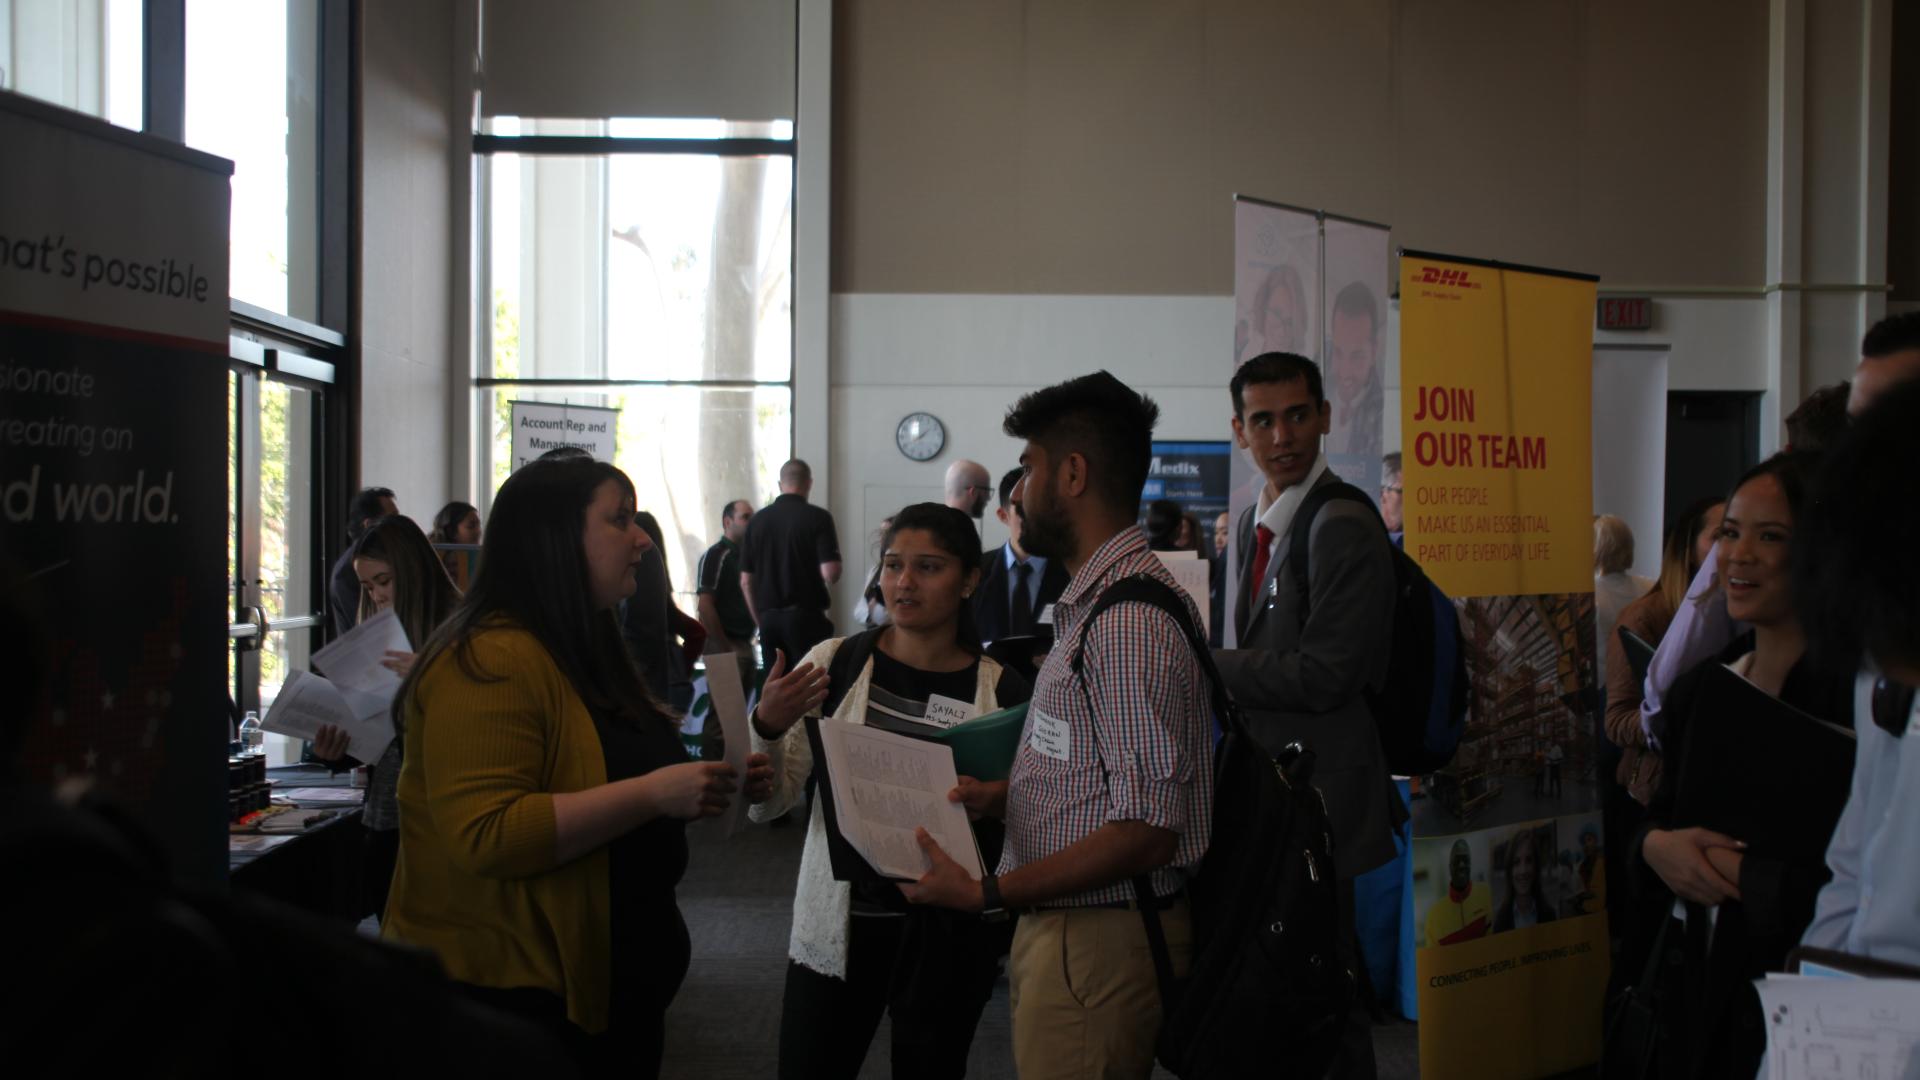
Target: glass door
{"x":277,"y":577}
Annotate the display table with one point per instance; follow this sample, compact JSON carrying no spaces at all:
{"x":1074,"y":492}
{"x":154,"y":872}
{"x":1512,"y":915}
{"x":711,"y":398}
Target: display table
{"x":316,"y":867}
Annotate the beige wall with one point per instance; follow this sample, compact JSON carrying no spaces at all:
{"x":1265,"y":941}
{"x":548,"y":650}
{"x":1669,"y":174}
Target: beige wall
{"x":1092,"y":146}
{"x":407,"y":367}
{"x":1903,"y":158}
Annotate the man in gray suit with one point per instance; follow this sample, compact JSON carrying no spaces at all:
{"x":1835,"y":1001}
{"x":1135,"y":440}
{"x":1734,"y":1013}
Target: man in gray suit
{"x":1300,"y":675}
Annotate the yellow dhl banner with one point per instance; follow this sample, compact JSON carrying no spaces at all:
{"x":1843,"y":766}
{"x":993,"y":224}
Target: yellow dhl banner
{"x":1496,"y":426}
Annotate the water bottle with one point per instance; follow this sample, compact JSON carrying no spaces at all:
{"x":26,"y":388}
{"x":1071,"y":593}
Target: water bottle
{"x":252,"y":739}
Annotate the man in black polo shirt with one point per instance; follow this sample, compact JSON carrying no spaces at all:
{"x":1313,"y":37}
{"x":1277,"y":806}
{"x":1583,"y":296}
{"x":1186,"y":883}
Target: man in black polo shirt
{"x":790,"y":557}
{"x":723,"y":604}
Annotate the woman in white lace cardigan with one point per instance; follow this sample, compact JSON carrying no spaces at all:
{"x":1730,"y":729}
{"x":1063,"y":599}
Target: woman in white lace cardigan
{"x":859,"y":950}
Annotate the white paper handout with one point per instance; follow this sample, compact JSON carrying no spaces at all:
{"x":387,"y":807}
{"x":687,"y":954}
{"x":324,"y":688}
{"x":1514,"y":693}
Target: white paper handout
{"x":729,"y":705}
{"x":352,"y":661}
{"x":1820,"y":1027}
{"x":1193,"y":574}
{"x":886,"y":785}
{"x":307,"y":701}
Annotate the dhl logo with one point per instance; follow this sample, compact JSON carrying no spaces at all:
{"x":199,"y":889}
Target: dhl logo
{"x":1452,"y":279}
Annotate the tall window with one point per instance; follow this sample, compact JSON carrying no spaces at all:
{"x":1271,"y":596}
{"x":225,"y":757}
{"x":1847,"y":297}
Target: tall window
{"x":265,"y":83}
{"x":646,"y":266}
{"x":252,"y":96}
{"x":87,"y":55}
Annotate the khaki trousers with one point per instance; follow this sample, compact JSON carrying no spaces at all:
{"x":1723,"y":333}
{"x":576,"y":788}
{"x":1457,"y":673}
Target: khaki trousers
{"x":1086,"y":1003}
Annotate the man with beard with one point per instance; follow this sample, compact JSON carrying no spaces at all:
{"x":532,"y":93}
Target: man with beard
{"x":1113,"y":777}
{"x":1016,"y":586}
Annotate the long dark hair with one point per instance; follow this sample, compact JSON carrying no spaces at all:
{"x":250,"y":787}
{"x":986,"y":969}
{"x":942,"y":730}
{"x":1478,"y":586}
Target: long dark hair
{"x":953,"y":531}
{"x":1860,"y":594}
{"x":533,"y":574}
{"x":448,"y":520}
{"x":423,"y":596}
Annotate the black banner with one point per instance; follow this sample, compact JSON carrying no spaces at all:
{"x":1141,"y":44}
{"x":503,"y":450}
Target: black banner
{"x":113,"y":495}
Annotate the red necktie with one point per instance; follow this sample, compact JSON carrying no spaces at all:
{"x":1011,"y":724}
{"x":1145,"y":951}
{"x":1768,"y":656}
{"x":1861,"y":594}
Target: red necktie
{"x":1262,"y":551}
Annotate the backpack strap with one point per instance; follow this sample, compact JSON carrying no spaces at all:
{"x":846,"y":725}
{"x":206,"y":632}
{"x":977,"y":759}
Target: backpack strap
{"x":1299,"y":534}
{"x":1146,"y":589}
{"x":849,"y":660}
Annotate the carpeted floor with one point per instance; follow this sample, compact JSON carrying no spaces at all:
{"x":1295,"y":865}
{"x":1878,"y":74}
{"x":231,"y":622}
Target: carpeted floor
{"x":725,"y":1023}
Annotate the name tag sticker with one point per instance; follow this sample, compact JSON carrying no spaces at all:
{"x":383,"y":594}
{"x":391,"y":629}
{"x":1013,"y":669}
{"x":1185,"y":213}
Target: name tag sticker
{"x":946,"y":712}
{"x":1050,"y":737}
{"x":1046,"y":616}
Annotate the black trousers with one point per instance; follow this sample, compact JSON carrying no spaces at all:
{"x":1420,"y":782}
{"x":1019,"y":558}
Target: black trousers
{"x":381,"y":852}
{"x":1355,"y":1060}
{"x":794,"y":631}
{"x":826,"y":1024}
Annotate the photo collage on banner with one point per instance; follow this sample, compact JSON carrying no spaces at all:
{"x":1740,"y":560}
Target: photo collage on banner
{"x":1509,"y":878}
{"x":1314,"y":284}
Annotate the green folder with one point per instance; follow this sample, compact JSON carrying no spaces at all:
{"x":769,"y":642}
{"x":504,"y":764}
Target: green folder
{"x":984,"y":747}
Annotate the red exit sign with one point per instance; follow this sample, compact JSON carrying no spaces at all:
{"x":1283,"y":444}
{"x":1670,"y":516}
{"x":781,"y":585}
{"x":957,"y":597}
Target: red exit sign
{"x":1626,"y":313}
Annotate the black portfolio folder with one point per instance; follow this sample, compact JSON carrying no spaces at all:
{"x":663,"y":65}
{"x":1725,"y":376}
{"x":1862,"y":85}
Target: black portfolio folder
{"x":1639,"y":654}
{"x":1762,"y":771}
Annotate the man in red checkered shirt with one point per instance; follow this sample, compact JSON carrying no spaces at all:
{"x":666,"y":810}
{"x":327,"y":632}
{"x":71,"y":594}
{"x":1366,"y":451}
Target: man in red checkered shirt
{"x":1113,"y":778}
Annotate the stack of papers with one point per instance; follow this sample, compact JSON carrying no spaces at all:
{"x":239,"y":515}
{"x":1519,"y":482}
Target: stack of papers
{"x":355,"y":698}
{"x":879,"y":788}
{"x":1821,"y":1027}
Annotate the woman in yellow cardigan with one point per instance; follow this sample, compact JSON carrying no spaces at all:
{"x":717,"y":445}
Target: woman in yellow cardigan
{"x":544,"y":797}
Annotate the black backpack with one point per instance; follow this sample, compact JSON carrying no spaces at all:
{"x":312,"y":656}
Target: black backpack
{"x":1422,"y":708}
{"x":1265,"y":985}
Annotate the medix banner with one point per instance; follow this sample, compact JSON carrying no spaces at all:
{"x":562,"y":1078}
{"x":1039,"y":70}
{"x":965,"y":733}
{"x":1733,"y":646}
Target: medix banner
{"x":1509,"y":879}
{"x":113,"y":467}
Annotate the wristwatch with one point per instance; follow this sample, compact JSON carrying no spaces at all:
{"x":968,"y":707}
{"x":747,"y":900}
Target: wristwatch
{"x":992,"y":909}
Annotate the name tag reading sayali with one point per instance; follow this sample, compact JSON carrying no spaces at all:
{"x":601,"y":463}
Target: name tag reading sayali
{"x":1050,"y":737}
{"x":946,"y":712}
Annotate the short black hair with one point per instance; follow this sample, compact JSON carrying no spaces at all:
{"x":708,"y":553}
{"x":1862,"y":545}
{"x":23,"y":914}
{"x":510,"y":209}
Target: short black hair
{"x":365,"y":506}
{"x":1390,"y":464}
{"x":1100,"y":418}
{"x":1895,"y":333}
{"x":1850,"y":594}
{"x":566,"y":453}
{"x":1275,"y":367}
{"x":1007,"y":483}
{"x":1357,"y":299}
{"x":796,"y":471}
{"x":1820,"y":419}
{"x":730,"y":511}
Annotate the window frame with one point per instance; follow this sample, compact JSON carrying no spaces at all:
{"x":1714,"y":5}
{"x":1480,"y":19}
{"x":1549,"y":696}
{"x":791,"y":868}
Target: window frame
{"x":271,"y":345}
{"x":483,"y":383}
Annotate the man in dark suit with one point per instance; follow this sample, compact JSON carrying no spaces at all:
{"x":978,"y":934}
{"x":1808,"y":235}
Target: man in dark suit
{"x":1300,"y":675}
{"x":1016,"y":588}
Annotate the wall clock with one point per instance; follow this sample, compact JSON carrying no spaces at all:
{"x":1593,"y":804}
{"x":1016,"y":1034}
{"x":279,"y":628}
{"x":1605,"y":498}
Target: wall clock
{"x":921,"y":436}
